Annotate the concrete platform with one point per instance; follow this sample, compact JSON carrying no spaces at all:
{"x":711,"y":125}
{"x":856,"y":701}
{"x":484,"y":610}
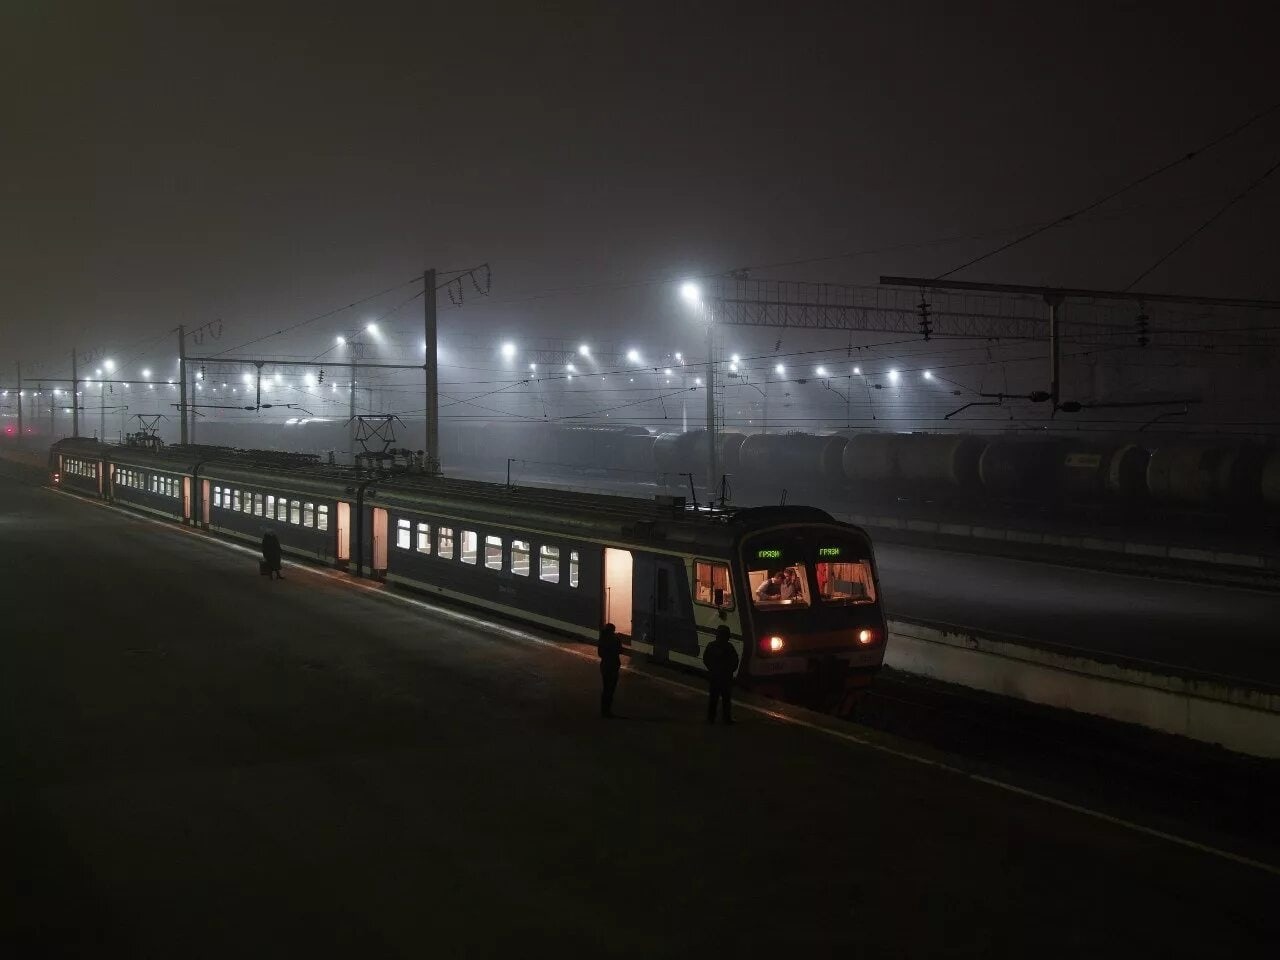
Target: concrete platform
{"x":201,"y":762}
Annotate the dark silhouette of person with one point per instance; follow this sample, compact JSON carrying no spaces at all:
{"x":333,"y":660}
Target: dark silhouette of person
{"x":271,"y":555}
{"x":609,"y":647}
{"x":721,"y":660}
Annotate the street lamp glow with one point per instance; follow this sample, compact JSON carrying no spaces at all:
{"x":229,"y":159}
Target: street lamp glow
{"x":679,"y":356}
{"x":570,"y":368}
{"x":533,"y":366}
{"x":633,"y":356}
{"x":697,"y":381}
{"x":666,"y":372}
{"x":340,"y":341}
{"x":247,"y":378}
{"x":735,"y":359}
{"x":146,"y":373}
{"x":857,"y":371}
{"x":928,"y":374}
{"x":508,"y":351}
{"x":110,"y":365}
{"x":371,"y":328}
{"x":690,"y":292}
{"x":98,"y":372}
{"x":584,"y":350}
{"x":821,"y":371}
{"x":309,"y":380}
{"x":779,"y":369}
{"x":893,"y":376}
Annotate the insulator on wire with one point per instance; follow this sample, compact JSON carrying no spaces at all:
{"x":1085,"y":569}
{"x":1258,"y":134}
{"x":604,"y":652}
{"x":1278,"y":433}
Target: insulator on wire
{"x":926,"y":325}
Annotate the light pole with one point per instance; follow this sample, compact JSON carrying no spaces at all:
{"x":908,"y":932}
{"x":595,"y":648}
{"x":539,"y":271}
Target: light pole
{"x":693,"y":296}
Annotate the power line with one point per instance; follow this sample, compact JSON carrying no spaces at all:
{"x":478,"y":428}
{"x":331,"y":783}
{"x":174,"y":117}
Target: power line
{"x":321,"y":316}
{"x":1115,"y":193}
{"x":1200,"y":229}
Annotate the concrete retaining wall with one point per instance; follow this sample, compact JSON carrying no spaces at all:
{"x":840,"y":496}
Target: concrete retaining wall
{"x":1240,"y":718}
{"x":1133,"y":549}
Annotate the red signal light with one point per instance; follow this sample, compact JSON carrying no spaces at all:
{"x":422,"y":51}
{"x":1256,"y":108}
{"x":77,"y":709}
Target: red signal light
{"x":866,"y":636}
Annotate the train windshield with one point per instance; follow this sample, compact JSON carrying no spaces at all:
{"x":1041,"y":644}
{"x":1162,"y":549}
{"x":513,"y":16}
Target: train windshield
{"x":802,"y":571}
{"x":780,"y":586}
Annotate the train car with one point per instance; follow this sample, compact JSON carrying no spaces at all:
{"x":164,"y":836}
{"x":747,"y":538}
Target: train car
{"x":797,"y":589}
{"x":666,"y":577}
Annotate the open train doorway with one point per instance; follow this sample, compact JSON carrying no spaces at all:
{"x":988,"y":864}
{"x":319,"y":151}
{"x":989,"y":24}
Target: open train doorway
{"x":379,"y":541}
{"x":344,"y":532}
{"x":618,"y":587}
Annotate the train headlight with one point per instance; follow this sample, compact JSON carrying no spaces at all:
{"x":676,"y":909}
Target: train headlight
{"x":866,"y":636}
{"x":772,"y":644}
{"x":57,"y":478}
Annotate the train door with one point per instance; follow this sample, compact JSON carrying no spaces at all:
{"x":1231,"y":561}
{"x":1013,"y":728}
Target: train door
{"x":186,"y":499}
{"x":379,"y":541}
{"x":619,"y":584}
{"x":102,"y":478}
{"x":204,"y":503}
{"x":344,"y":533}
{"x":663,"y":614}
{"x":110,"y":493}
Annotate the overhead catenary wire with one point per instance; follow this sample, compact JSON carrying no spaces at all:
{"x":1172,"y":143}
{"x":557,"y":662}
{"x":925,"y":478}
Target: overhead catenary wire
{"x":1164,"y":168}
{"x":1204,"y":226}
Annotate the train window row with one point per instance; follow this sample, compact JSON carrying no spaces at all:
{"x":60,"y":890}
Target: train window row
{"x":164,"y":486}
{"x":130,"y":478}
{"x":299,"y":513}
{"x":418,"y":536}
{"x":80,"y":468}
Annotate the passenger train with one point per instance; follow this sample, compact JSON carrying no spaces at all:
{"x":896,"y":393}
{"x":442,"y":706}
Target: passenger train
{"x":797,"y":589}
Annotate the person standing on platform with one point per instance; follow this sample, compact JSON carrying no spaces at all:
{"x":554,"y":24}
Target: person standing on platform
{"x":271,"y":555}
{"x":721,"y":661}
{"x":609,"y":647}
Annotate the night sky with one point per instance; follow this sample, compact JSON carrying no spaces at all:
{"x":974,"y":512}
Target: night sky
{"x":262,"y":163}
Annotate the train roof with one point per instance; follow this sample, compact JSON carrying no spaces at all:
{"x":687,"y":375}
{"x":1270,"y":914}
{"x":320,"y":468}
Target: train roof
{"x":571,"y":512}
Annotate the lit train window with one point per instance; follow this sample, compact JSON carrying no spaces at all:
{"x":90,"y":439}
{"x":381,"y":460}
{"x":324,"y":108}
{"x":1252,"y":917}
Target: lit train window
{"x":235,"y":500}
{"x":469,"y":546}
{"x":781,"y":586}
{"x":493,"y":553}
{"x":295,"y":512}
{"x":308,"y":514}
{"x":549,"y":564}
{"x":424,"y":538}
{"x":711,"y":584}
{"x":520,"y":557}
{"x":846,"y":582}
{"x":271,"y":506}
{"x":248,"y":502}
{"x":257,"y":504}
{"x":573,"y":568}
{"x":402,"y":534}
{"x":322,"y":517}
{"x":446,"y":543}
{"x":282,"y":510}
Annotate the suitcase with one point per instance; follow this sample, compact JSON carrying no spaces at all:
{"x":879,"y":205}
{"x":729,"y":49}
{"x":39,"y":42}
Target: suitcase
{"x":263,"y":568}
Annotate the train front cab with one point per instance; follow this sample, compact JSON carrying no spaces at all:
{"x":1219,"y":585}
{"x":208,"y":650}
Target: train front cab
{"x":814,"y":626}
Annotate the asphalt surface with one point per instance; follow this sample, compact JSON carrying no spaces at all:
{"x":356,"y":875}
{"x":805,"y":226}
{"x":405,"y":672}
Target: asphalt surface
{"x":1229,"y":631}
{"x":201,"y":762}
